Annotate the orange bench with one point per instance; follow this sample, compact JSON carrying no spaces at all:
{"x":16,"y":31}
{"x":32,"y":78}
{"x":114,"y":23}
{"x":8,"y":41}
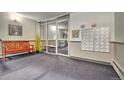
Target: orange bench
{"x":13,"y":47}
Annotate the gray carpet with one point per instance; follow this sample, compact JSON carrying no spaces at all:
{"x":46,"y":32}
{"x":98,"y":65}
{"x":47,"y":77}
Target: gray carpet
{"x":50,"y":67}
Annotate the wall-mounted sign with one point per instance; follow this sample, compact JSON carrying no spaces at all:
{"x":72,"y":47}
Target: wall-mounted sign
{"x":15,"y":30}
{"x":75,"y":33}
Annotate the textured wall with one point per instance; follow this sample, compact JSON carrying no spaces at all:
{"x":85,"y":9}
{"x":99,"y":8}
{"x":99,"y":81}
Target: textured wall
{"x":29,"y":28}
{"x":119,"y":39}
{"x":102,"y":20}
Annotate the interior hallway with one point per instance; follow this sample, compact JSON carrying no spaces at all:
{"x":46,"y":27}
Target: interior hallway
{"x":50,"y":67}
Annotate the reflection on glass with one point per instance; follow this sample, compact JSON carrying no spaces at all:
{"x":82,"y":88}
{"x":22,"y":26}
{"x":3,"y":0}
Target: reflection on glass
{"x":63,"y":30}
{"x":43,"y":36}
{"x":51,"y":38}
{"x":52,"y":31}
{"x":63,"y":37}
{"x":43,"y":32}
{"x":63,"y":47}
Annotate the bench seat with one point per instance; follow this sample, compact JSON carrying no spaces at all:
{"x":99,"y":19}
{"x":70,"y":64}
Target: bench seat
{"x":13,"y":47}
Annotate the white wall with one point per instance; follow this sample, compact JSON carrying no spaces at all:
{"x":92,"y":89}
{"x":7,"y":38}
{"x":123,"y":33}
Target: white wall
{"x":119,"y":27}
{"x":101,"y":20}
{"x":119,"y":39}
{"x":29,"y":28}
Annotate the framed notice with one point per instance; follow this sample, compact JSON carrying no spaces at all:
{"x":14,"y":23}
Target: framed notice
{"x":75,"y":35}
{"x":15,"y":30}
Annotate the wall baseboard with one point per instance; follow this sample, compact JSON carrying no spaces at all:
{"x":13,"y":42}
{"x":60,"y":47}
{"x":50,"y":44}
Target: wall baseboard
{"x":118,"y":69}
{"x":92,"y":61}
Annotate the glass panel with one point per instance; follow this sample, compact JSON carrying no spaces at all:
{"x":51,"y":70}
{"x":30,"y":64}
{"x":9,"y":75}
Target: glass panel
{"x":63,"y":30}
{"x":51,"y":38}
{"x":43,"y":36}
{"x":63,"y":47}
{"x":63,"y":37}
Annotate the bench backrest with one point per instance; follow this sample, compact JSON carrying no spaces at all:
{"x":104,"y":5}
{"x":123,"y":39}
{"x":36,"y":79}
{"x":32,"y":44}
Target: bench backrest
{"x":16,"y":45}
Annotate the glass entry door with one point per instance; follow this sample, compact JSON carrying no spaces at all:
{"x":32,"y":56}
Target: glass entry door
{"x":54,"y":35}
{"x":62,"y":41}
{"x":51,"y":37}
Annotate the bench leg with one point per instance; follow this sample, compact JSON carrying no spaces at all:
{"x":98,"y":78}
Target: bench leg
{"x":31,"y":52}
{"x":4,"y":58}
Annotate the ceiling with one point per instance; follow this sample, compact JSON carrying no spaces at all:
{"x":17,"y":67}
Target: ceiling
{"x":39,"y":16}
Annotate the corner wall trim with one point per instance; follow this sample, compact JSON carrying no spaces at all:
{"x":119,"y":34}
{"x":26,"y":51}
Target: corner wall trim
{"x":118,"y":69}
